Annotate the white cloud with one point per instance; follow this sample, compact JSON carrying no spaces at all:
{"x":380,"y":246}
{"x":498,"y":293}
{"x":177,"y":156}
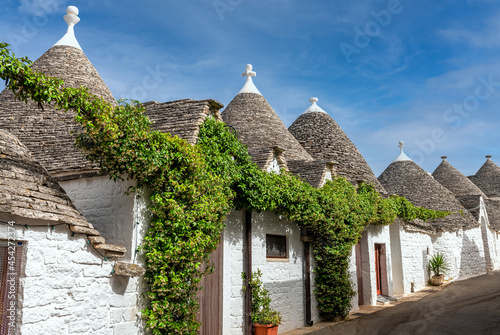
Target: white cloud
{"x":41,"y":7}
{"x":484,"y":38}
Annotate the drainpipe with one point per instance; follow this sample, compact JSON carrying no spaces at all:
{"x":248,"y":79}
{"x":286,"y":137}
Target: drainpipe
{"x":307,"y":277}
{"x":248,"y":270}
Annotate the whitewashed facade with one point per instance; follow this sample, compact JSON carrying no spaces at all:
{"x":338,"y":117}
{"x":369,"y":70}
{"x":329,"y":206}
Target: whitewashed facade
{"x":284,"y":278}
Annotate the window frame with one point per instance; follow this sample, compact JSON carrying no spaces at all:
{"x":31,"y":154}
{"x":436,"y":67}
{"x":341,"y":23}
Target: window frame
{"x":287,"y":249}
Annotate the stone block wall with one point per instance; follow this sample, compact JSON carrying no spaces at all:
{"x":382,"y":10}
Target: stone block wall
{"x":67,"y":288}
{"x":463,"y":249}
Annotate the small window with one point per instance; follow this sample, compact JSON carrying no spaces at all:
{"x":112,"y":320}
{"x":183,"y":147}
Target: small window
{"x":276,"y":246}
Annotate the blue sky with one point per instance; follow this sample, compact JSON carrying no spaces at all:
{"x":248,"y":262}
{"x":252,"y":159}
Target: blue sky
{"x":426,"y":72}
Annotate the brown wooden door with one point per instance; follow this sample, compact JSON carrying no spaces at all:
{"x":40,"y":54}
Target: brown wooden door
{"x":378,"y":268}
{"x":359,"y":274}
{"x":210,"y":298}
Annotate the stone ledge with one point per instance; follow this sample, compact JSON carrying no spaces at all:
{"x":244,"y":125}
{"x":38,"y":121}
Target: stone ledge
{"x":111,"y":248}
{"x":95,"y":240}
{"x":83,"y":230}
{"x":129,"y":270}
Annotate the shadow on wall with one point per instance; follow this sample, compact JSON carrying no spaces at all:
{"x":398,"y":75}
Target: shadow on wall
{"x":425,"y":264}
{"x":472,"y":261}
{"x":234,"y":230}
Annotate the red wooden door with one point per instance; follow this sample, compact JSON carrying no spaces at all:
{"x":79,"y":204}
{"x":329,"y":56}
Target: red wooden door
{"x":378,"y":268}
{"x":210,"y":298}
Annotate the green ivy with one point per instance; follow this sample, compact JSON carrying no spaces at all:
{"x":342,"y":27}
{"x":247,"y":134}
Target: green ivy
{"x":193,"y":189}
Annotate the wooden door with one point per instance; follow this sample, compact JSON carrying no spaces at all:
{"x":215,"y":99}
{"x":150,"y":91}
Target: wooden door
{"x":210,"y":298}
{"x":378,"y":268}
{"x":359,"y":274}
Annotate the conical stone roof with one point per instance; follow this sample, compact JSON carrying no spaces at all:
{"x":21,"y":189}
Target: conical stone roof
{"x":28,"y":191}
{"x":323,"y":139}
{"x":487,"y":178}
{"x":405,"y":178}
{"x":455,"y":181}
{"x":47,"y":133}
{"x":258,"y":125}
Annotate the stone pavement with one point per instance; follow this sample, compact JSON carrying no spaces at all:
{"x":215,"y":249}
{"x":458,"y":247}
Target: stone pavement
{"x":469,"y":306}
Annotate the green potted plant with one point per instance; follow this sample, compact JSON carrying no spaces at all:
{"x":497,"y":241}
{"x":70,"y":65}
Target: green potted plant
{"x":265,"y":319}
{"x":438,"y":264}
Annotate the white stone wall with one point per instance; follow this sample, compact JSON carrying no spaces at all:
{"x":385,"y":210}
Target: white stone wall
{"x":496,"y":248}
{"x":371,"y":236}
{"x":490,"y":240}
{"x":284,"y":278}
{"x":354,"y":279}
{"x":463,"y":249}
{"x":104,"y":204}
{"x":67,"y":288}
{"x":233,"y":298}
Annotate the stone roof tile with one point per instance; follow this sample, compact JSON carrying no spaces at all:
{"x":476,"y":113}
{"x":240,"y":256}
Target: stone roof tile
{"x":258,"y":126}
{"x":182,"y":118}
{"x":487,"y":178}
{"x":455,"y":181}
{"x":47,"y":133}
{"x":407,"y":179}
{"x":35,"y":195}
{"x":323,"y":139}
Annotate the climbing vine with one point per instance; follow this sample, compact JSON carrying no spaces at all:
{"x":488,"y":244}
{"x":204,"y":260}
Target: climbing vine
{"x":194,"y":187}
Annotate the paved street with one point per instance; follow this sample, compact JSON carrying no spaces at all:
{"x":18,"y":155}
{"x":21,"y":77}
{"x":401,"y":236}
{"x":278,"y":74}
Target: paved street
{"x":466,"y":307}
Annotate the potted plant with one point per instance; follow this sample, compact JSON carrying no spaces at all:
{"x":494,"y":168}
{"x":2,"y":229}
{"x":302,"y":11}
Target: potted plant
{"x":265,"y":319}
{"x":438,"y":264}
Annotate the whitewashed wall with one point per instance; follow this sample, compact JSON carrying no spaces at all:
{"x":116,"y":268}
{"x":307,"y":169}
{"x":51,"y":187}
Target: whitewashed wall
{"x":284,"y":278}
{"x":104,"y":204}
{"x":490,"y":240}
{"x":463,"y":249}
{"x":354,"y":279}
{"x":371,"y":236}
{"x":67,"y":288}
{"x":233,"y":302}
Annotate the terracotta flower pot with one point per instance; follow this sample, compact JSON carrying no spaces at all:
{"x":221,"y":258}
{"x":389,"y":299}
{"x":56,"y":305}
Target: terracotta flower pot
{"x":265,"y":329}
{"x":437,"y":280}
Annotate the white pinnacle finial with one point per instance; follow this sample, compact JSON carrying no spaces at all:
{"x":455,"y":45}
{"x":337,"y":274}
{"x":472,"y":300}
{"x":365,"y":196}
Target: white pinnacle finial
{"x":314,"y":107}
{"x":71,"y":19}
{"x":402,"y":156}
{"x":249,"y":86}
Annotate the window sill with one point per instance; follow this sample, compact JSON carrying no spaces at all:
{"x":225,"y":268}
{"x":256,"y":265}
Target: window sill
{"x":279,"y":260}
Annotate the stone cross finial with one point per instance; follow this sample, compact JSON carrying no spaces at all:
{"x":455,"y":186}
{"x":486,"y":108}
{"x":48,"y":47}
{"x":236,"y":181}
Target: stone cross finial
{"x":401,"y":145}
{"x":249,"y":73}
{"x":71,"y":19}
{"x":249,"y":86}
{"x":402,"y":156}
